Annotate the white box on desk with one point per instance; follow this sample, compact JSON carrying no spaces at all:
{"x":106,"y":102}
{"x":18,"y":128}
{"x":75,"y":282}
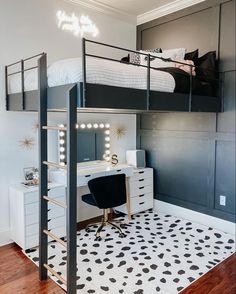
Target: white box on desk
{"x":136,"y":158}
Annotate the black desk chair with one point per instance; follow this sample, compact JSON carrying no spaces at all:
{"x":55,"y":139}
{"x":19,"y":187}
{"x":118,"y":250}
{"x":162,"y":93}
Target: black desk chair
{"x":106,"y":192}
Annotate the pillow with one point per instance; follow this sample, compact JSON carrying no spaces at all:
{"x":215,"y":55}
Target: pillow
{"x":187,"y":68}
{"x":206,"y":67}
{"x":191,"y":55}
{"x":157,"y":62}
{"x":136,"y":58}
{"x":177,"y":54}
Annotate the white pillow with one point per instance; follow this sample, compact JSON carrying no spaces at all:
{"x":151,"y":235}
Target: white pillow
{"x":178,"y":53}
{"x":158,"y":62}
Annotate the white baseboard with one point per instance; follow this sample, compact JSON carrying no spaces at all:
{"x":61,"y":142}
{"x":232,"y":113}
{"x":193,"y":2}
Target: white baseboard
{"x":207,"y":220}
{"x":5,"y":238}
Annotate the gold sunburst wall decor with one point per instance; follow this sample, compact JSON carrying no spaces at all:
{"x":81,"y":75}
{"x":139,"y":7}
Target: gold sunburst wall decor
{"x":120,"y":132}
{"x":27,"y":143}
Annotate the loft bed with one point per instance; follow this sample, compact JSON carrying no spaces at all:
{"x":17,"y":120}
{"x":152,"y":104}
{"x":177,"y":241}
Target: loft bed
{"x":152,"y":92}
{"x":84,"y":96}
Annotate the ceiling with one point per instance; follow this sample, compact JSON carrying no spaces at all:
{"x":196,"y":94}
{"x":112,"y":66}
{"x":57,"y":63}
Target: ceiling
{"x":134,"y":7}
{"x":137,"y":11}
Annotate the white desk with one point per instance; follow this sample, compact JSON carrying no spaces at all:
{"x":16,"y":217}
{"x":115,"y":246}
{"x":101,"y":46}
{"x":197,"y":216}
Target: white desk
{"x":24,"y":202}
{"x":91,"y":170}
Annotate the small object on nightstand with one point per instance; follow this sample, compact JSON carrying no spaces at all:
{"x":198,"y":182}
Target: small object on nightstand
{"x":30,"y":183}
{"x":31,"y":173}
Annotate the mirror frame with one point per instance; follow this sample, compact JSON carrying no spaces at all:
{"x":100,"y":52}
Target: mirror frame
{"x":84,"y":126}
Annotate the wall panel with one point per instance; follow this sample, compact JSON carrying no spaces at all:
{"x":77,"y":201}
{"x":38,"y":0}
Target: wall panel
{"x":194,"y":153}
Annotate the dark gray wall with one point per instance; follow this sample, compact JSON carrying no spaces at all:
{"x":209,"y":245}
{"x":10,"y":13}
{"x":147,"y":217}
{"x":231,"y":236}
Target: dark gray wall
{"x":194,"y":153}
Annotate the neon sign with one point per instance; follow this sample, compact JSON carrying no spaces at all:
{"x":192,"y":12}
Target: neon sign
{"x":78,"y":25}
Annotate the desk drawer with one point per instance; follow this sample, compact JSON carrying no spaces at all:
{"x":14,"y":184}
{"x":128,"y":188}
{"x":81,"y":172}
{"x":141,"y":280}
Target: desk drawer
{"x":52,"y":223}
{"x":141,"y":182}
{"x":139,"y":190}
{"x":82,"y":180}
{"x":128,"y":171}
{"x":138,"y":204}
{"x":52,"y":213}
{"x":141,"y":203}
{"x":55,"y":192}
{"x":142,"y":174}
{"x":32,"y":241}
{"x":33,"y":208}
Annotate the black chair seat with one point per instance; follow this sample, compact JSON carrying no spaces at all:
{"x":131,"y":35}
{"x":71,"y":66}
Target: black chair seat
{"x":89,"y":199}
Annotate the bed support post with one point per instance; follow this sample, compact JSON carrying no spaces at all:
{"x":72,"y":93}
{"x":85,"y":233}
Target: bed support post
{"x":23,"y":83}
{"x":71,"y":193}
{"x":148,"y":82}
{"x":190,"y":89}
{"x":6,"y":87}
{"x":43,"y":172}
{"x":84,"y":70}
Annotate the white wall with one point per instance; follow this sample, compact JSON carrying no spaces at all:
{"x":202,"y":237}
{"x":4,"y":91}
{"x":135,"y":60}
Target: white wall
{"x":28,"y":27}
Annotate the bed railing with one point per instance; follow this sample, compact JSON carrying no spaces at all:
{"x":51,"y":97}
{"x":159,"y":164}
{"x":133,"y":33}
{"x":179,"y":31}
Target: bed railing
{"x":21,"y":71}
{"x":148,"y":67}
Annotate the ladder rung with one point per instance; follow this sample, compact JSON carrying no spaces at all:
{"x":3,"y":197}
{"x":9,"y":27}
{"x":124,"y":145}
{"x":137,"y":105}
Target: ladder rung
{"x":54,"y":237}
{"x":52,"y":164}
{"x":56,"y":128}
{"x":59,"y":203}
{"x":51,"y":270}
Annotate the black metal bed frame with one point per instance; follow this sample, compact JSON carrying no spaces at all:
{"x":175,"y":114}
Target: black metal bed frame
{"x":94,"y":97}
{"x":68,"y":98}
{"x":148,"y":67}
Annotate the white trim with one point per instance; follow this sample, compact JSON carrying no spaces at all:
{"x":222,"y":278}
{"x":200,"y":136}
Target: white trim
{"x":165,"y":9}
{"x":106,"y":9}
{"x":194,"y":216}
{"x":5,"y":237}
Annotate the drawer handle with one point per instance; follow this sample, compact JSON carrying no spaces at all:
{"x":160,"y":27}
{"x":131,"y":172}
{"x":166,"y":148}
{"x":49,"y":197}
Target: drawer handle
{"x":49,"y":190}
{"x":141,"y":187}
{"x":49,"y":220}
{"x":87,"y":176}
{"x":141,"y":203}
{"x":141,"y":195}
{"x":141,"y":180}
{"x":118,"y":170}
{"x":141,"y":172}
{"x":49,"y":209}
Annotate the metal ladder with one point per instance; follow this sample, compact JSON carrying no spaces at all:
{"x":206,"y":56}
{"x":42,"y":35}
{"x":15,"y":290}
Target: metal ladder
{"x":71,"y":188}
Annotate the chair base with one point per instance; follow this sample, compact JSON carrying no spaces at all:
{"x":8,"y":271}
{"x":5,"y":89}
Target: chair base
{"x":105,"y":221}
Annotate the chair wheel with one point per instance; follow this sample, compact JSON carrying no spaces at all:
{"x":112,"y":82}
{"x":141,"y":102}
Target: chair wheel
{"x":122,"y":235}
{"x":98,"y":238}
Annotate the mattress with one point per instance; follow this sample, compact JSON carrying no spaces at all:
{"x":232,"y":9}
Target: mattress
{"x":98,"y":71}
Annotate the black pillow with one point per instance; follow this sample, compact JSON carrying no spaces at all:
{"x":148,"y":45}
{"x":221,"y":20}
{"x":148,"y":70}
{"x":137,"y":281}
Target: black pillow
{"x":206,"y":67}
{"x":125,"y":58}
{"x":191,"y":55}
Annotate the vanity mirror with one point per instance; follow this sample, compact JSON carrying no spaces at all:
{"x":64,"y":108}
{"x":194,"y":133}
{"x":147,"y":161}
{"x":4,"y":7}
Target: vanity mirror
{"x":93,"y":142}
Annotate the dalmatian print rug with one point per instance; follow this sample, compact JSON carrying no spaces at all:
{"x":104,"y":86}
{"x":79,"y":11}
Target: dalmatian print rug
{"x":160,"y":254}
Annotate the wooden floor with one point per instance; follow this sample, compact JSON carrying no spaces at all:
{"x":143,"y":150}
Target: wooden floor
{"x":18,"y":275}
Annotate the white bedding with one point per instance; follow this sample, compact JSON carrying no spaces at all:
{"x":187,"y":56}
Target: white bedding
{"x":98,"y":71}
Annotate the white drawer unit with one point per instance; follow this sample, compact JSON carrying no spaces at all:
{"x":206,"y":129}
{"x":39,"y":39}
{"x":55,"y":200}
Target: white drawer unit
{"x":24,"y":214}
{"x":140,"y":189}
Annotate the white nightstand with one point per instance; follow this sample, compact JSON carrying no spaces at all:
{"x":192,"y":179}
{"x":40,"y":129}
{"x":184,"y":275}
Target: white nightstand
{"x":24,"y":214}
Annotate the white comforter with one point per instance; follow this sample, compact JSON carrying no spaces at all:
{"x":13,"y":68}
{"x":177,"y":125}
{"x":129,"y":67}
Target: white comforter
{"x":98,"y":71}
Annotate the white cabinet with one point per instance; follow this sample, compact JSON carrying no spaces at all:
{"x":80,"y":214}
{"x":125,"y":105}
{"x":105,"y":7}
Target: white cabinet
{"x":24,"y":214}
{"x":140,"y":189}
